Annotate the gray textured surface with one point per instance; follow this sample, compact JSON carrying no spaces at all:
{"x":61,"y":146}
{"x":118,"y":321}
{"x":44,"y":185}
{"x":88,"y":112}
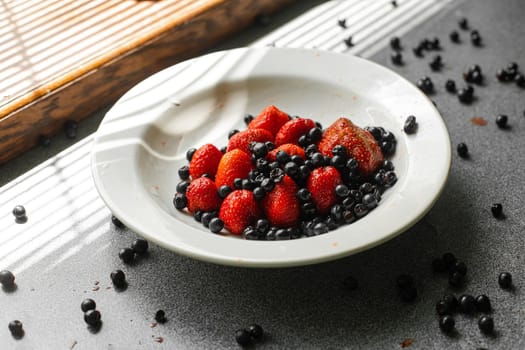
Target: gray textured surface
{"x":71,"y":244}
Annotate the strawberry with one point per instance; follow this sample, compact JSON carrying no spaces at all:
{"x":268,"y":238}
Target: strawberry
{"x":281,"y":205}
{"x":289,"y":148}
{"x":205,"y":160}
{"x":321,"y":184}
{"x":202,"y":195}
{"x":292,"y":130}
{"x":271,"y":118}
{"x":234,"y":164}
{"x":242,"y":139}
{"x":239,"y":210}
{"x":359,"y":144}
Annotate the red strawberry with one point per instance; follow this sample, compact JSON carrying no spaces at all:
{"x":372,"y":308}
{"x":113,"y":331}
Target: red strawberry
{"x":359,"y":143}
{"x":281,"y":205}
{"x":242,"y":139}
{"x":289,"y":148}
{"x":321,"y":184}
{"x":292,"y":130}
{"x":239,"y":210}
{"x":271,"y":118}
{"x":233,"y":164}
{"x":202,"y":195}
{"x":205,"y":161}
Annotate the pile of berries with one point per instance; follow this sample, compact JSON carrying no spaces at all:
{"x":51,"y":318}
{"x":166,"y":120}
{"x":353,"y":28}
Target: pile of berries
{"x":285,"y":178}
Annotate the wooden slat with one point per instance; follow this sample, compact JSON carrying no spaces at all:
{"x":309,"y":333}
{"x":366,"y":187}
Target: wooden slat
{"x":73,"y":65}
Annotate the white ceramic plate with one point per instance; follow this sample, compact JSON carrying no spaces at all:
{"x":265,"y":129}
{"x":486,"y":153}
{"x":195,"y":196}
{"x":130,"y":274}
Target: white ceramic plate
{"x":143,"y":139}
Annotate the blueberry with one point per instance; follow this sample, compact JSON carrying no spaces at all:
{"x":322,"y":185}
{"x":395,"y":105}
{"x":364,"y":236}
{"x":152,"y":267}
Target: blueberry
{"x":501,"y":121}
{"x":291,"y":169}
{"x":486,"y":324}
{"x":197,"y":215}
{"x":92,"y":317}
{"x":452,"y":301}
{"x":476,"y":77}
{"x":342,"y":191}
{"x":247,"y":118}
{"x":19,"y":211}
{"x":7,"y":279}
{"x":267,"y":184}
{"x":462,"y":150}
{"x":443,"y":308}
{"x":336,"y":212}
{"x":338,"y":161}
{"x":460,"y":267}
{"x":376,"y":132}
{"x":387,"y":165}
{"x":223,"y":149}
{"x":467,"y":304}
{"x":237,"y":183}
{"x":189,"y":153}
{"x":311,"y":149}
{"x":224,"y":191}
{"x":180,"y":201}
{"x":520,"y":80}
{"x":118,"y":278}
{"x":483,"y":303}
{"x":397,"y":58}
{"x":450,"y":86}
{"x":182,"y":186}
{"x":262,"y":226}
{"x":455,"y":279}
{"x":349,"y":216}
{"x":418,"y":51}
{"x":390,"y":178}
{"x":247,"y":185}
{"x":505,"y":280}
{"x":360,"y":210}
{"x":436,"y":63}
{"x":387,"y":147}
{"x":410,"y":125}
{"x":243,"y":337}
{"x":463,"y":23}
{"x":497,"y":210}
{"x":127,"y":255}
{"x":475,"y":38}
{"x":276,"y":175}
{"x":250,"y":233}
{"x":447,"y":323}
{"x":232,"y":132}
{"x":184,"y":172}
{"x":426,"y":85}
{"x":256,"y":331}
{"x":303,"y":140}
{"x":370,"y":201}
{"x":282,"y":157}
{"x":140,"y":246}
{"x":206,"y":218}
{"x":282,"y":234}
{"x":317,"y":159}
{"x":315,"y":134}
{"x":259,"y":193}
{"x":270,"y":235}
{"x":502,"y":75}
{"x":465,"y":96}
{"x":304,"y":195}
{"x":16,"y":328}
{"x":216,"y":225}
{"x":160,"y":316}
{"x":395,"y":43}
{"x":454,"y":36}
{"x":352,"y":164}
{"x":320,"y":228}
{"x":88,"y":304}
{"x":260,"y":149}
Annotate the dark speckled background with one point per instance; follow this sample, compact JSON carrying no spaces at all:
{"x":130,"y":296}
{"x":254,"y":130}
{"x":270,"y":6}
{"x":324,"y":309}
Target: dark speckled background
{"x":308,"y":307}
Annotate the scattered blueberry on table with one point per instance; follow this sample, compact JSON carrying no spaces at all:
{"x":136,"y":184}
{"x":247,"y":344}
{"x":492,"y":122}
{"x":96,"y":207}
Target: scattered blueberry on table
{"x":16,"y":328}
{"x":7,"y":279}
{"x":88,"y":304}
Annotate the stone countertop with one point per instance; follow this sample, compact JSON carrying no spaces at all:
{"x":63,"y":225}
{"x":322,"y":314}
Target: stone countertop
{"x":68,"y":247}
